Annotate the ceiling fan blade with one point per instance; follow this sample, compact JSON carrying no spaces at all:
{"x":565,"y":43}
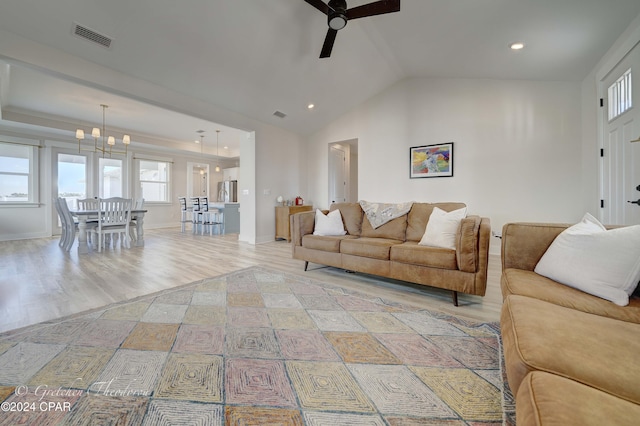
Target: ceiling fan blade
{"x":328,"y":43}
{"x":322,"y":7}
{"x":375,"y":8}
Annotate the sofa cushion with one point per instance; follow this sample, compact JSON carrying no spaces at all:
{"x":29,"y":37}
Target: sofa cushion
{"x":412,"y":253}
{"x":395,"y":229}
{"x":324,"y":243}
{"x":375,"y":248}
{"x":442,"y":228}
{"x":419,"y":216}
{"x":590,"y":258}
{"x":329,"y":224}
{"x":528,"y":283}
{"x":596,"y":351}
{"x":547,"y":399}
{"x":351,"y":216}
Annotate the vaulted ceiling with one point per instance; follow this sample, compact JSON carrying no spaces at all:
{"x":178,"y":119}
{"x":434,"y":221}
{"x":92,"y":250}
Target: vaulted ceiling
{"x":256,"y":57}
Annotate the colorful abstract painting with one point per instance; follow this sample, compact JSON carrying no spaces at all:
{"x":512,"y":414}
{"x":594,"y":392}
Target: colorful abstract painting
{"x":432,"y":160}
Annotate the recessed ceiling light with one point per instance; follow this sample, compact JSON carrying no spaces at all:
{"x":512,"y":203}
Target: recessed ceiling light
{"x":518,"y":45}
{"x":226,"y":147}
{"x":310,"y":106}
{"x":197,"y":141}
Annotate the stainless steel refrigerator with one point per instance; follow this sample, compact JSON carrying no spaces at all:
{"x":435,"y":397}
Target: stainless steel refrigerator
{"x":228,"y":191}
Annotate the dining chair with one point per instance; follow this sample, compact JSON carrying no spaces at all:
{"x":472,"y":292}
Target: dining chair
{"x":183,"y":212}
{"x":138,"y":204}
{"x":63,"y":223}
{"x":88,"y":204}
{"x":114,"y":217}
{"x":70,"y":226}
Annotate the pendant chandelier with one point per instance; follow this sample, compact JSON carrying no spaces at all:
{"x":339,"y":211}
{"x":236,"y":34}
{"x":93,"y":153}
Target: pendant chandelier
{"x":202,"y":152}
{"x":108,"y":142}
{"x":217,"y":150}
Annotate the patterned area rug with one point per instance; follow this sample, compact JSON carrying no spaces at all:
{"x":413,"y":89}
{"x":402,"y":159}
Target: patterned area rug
{"x":255,"y":347}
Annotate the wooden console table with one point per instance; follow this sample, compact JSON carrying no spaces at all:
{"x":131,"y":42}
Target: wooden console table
{"x":282,"y":220}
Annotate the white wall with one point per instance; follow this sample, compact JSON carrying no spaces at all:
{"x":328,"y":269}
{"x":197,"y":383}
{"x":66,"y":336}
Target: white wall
{"x":517,"y":152}
{"x":280,"y":170}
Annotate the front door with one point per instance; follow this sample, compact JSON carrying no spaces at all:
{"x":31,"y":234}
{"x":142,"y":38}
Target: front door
{"x":621,"y":155}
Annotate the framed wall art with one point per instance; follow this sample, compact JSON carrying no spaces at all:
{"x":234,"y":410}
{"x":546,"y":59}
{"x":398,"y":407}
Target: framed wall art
{"x":431,"y":161}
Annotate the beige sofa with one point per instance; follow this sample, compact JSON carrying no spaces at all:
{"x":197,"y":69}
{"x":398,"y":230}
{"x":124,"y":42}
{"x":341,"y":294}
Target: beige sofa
{"x":571,"y":358}
{"x":392,"y":250}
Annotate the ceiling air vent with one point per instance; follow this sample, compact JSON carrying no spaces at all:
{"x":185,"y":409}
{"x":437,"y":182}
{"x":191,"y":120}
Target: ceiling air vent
{"x":92,"y":36}
{"x":280,"y":114}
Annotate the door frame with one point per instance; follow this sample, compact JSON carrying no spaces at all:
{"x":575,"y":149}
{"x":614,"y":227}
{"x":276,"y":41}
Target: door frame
{"x":350,"y":147}
{"x":89,"y":180}
{"x":604,"y":77}
{"x":625,"y":44}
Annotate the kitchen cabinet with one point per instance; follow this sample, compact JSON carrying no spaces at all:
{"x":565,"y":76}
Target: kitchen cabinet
{"x":231,"y":173}
{"x":282,"y":220}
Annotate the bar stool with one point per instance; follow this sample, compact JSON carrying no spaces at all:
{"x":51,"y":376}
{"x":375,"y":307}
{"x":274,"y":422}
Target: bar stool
{"x":183,"y":212}
{"x":211,"y":217}
{"x":197,"y":217}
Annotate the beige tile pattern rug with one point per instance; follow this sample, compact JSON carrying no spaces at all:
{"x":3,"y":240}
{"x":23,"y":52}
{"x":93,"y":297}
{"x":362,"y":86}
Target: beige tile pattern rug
{"x":254,"y":347}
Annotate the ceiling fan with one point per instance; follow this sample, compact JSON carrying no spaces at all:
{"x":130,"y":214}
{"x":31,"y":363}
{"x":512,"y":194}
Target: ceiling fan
{"x":338,"y":15}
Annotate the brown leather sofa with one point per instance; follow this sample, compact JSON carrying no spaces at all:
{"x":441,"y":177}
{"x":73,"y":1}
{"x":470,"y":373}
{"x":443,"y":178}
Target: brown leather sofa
{"x":571,"y":358}
{"x":392,"y":250}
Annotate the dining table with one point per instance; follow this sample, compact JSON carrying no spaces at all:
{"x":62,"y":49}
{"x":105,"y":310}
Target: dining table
{"x":83,"y":216}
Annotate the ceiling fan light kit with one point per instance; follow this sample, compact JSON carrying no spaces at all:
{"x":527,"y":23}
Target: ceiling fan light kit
{"x":338,"y":15}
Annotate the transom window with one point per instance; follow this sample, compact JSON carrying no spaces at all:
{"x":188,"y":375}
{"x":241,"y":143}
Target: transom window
{"x":620,"y":95}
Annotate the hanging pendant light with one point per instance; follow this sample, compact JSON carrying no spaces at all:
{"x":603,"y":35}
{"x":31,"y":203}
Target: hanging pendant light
{"x":202,"y":152}
{"x":108,"y":142}
{"x":217,"y":150}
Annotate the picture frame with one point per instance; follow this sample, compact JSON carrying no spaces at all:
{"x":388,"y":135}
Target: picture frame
{"x":428,"y":161}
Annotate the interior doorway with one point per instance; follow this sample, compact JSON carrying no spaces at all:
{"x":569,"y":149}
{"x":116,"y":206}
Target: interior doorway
{"x":343,"y":172}
{"x":197,"y":180}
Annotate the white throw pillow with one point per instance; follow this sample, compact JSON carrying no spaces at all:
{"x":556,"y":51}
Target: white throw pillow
{"x":601,"y":262}
{"x":331,"y":224}
{"x":442,"y":228}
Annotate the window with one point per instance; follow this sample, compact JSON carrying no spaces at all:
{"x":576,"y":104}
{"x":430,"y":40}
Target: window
{"x":18,"y":173}
{"x":620,"y":96}
{"x":154,"y":180}
{"x":72,"y":177}
{"x":110,"y":178}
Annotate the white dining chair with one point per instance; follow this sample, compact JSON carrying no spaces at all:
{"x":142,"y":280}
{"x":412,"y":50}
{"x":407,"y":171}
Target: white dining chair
{"x":114,"y":218}
{"x":70,"y":226}
{"x":138,"y":204}
{"x":63,"y":222}
{"x":88,"y":203}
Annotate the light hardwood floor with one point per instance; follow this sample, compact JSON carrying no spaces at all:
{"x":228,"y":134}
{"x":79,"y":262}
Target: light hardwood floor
{"x":39,"y":281}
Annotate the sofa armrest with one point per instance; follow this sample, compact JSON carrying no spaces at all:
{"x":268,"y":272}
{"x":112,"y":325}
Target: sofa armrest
{"x":471,"y":249}
{"x":301,"y":224}
{"x":524,"y":244}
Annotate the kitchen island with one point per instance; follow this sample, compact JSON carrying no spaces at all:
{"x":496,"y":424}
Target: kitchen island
{"x":230,"y":216}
